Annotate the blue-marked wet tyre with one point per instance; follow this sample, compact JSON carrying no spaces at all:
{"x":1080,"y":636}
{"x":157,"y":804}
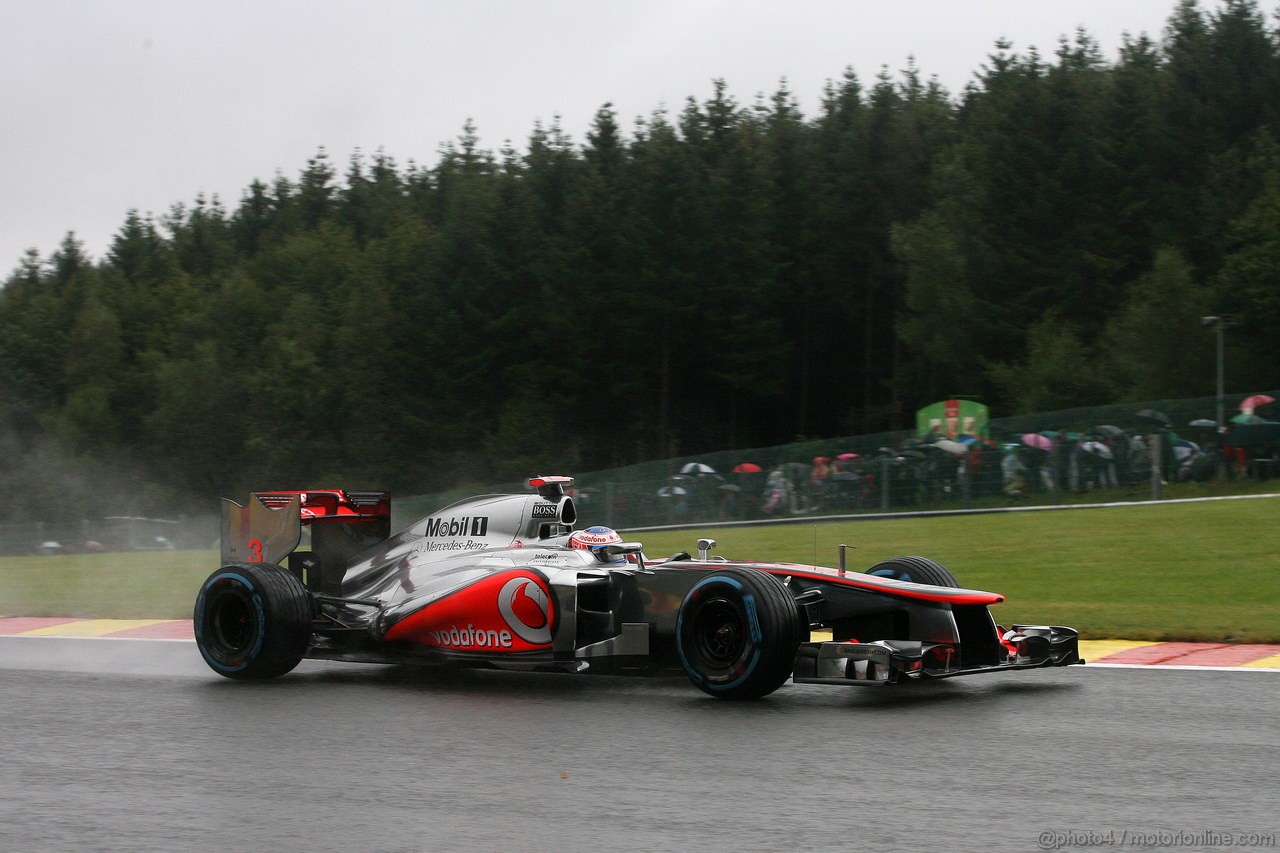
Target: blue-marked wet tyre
{"x":252,"y":621}
{"x":737,"y":634}
{"x":915,"y":570}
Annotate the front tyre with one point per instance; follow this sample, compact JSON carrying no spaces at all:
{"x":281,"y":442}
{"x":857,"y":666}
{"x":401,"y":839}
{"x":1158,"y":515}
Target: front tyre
{"x":737,"y":633}
{"x":915,"y":570}
{"x":252,"y":621}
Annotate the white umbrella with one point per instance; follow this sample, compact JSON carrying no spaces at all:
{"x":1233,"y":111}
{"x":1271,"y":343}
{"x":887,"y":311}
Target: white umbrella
{"x":697,"y":468}
{"x":1098,"y":448}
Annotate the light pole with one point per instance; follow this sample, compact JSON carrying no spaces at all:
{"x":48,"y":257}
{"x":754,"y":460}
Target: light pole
{"x":1219,"y":322}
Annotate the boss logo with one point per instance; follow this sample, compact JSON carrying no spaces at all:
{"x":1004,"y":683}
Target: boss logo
{"x":546,"y":511}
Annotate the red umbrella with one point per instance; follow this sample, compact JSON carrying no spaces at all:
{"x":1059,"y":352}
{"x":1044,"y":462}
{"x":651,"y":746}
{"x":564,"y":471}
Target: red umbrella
{"x":845,"y":457}
{"x":747,"y":468}
{"x":1253,"y":401}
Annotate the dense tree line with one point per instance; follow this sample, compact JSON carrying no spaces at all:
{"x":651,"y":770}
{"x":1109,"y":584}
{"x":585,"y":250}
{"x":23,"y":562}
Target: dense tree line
{"x":729,"y":275}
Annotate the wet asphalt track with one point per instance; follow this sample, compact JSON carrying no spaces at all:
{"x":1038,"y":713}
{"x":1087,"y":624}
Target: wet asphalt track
{"x":135,"y":745}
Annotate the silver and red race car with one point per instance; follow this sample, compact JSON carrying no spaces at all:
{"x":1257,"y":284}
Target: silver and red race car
{"x":505,"y":581}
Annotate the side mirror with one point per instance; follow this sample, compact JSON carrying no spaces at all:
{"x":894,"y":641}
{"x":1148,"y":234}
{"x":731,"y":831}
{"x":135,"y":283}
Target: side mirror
{"x":619,"y":548}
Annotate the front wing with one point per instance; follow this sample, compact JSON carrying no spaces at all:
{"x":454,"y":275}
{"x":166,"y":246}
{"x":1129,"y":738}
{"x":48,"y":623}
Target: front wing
{"x":896,"y":661}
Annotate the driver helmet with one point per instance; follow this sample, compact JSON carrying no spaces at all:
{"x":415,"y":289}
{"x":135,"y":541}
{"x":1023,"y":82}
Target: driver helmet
{"x":594,"y":539}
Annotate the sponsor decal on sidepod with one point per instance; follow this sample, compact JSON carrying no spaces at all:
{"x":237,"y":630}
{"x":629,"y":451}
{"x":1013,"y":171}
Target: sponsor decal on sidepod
{"x":465,"y":526}
{"x":507,"y":612}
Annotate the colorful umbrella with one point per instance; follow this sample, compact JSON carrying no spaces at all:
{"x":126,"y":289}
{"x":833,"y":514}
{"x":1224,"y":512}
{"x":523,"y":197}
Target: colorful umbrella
{"x":747,"y":468}
{"x":1039,"y":442}
{"x":1254,"y":401}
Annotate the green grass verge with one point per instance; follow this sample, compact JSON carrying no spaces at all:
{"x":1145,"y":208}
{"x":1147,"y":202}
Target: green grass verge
{"x":1203,"y":571}
{"x":143,"y":585}
{"x":1206,"y":572}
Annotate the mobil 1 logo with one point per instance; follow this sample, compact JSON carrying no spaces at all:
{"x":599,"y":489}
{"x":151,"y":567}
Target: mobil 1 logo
{"x":467,"y":525}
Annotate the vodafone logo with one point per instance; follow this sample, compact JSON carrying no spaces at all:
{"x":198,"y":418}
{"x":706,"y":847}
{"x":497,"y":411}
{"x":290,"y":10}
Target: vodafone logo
{"x":507,"y":612}
{"x":525,"y":607}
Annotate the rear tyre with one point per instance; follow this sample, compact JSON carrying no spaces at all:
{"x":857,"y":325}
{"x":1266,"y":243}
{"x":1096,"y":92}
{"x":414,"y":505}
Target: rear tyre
{"x":914,"y":570}
{"x":737,"y":633}
{"x":252,"y":621}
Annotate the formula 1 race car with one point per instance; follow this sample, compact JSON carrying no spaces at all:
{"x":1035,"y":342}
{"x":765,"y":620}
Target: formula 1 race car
{"x":505,"y":581}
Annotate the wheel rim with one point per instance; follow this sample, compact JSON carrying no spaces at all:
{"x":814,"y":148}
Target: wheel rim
{"x":232,"y":624}
{"x":719,"y":634}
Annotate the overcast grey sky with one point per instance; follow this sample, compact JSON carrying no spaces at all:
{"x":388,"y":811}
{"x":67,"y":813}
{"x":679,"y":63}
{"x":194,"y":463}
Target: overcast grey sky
{"x":108,"y":105}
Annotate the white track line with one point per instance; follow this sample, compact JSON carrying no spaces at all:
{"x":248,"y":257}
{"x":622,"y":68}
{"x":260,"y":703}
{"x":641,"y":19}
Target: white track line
{"x":1196,"y":668}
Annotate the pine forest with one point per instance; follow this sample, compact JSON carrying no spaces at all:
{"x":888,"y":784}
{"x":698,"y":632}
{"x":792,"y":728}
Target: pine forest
{"x":726,"y":275}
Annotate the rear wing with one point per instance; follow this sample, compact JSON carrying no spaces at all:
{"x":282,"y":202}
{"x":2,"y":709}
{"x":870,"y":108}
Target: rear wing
{"x":269,"y":528}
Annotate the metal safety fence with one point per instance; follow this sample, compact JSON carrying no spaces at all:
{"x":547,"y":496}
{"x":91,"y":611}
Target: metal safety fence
{"x":1129,"y":451}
